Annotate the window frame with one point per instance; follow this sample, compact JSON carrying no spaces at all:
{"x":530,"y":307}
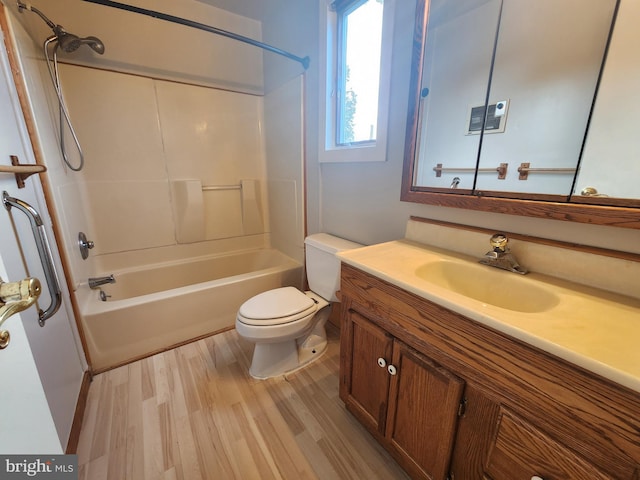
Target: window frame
{"x":365,"y":151}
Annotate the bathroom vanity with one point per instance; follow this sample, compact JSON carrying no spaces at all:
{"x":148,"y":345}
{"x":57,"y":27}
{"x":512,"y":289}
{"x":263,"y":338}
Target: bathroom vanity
{"x":454,"y":391}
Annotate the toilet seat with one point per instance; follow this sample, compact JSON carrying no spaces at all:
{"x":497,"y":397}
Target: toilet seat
{"x":276,"y":307}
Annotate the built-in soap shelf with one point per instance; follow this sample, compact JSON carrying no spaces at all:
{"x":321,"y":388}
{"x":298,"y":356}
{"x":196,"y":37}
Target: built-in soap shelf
{"x":195,"y":204}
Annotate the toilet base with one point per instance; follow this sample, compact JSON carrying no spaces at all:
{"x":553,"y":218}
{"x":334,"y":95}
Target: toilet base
{"x":273,"y":359}
{"x":313,"y":345}
{"x":278,"y":359}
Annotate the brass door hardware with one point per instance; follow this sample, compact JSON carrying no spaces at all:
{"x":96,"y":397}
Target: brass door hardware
{"x":16,"y":297}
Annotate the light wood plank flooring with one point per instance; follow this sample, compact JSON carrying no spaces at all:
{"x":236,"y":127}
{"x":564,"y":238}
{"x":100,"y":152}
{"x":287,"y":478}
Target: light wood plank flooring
{"x":194,"y":413}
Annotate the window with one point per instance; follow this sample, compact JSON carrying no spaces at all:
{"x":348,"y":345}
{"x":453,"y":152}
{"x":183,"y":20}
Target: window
{"x":356,"y":91}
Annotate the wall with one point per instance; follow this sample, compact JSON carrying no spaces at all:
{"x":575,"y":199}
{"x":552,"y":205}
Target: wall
{"x":361,"y":201}
{"x":141,"y":135}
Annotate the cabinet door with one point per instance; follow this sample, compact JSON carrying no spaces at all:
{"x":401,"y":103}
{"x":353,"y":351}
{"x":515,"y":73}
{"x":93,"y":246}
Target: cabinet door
{"x":366,"y":351}
{"x":475,"y":434}
{"x":423,"y":412}
{"x":521,"y":451}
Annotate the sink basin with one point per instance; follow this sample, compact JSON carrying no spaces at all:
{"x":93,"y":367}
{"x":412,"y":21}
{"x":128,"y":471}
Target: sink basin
{"x":489,"y":285}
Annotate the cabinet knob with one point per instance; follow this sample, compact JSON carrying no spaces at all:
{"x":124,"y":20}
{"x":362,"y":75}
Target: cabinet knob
{"x":392,"y":370}
{"x":382,"y":362}
{"x":536,"y":477}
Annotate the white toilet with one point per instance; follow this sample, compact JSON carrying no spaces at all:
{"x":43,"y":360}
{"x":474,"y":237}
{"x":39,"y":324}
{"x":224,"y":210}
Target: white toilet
{"x":287,"y":325}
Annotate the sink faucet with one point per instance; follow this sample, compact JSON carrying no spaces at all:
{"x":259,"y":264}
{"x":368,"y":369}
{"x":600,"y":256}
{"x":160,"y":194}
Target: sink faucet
{"x":500,"y":256}
{"x":96,"y":282}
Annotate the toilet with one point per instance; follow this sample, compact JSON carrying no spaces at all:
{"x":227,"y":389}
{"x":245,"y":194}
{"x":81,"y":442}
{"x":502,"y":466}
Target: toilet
{"x":288,"y":325}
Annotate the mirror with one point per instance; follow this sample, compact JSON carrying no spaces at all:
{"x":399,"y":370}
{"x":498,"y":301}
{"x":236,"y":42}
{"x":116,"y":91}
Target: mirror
{"x":502,"y":115}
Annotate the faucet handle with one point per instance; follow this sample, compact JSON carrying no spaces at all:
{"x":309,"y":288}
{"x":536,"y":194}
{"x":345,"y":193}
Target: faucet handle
{"x":499,"y":242}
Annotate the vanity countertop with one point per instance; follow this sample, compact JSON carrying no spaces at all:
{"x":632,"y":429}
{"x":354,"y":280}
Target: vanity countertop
{"x":592,"y":328}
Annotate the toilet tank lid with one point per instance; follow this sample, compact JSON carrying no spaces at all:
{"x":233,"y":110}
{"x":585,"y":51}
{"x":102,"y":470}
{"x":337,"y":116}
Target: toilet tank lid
{"x":330,"y":243}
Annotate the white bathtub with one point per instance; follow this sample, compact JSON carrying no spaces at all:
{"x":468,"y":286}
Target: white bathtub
{"x":160,"y":306}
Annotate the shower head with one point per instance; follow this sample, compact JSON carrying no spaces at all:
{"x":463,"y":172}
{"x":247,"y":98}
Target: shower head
{"x":95,"y":43}
{"x":68,"y":42}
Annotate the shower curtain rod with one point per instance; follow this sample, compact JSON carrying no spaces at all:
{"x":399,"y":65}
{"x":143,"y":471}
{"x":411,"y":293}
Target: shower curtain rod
{"x":201,"y":26}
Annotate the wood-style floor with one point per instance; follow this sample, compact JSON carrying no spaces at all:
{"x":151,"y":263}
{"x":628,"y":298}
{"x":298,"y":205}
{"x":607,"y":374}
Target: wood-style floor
{"x":194,"y":413}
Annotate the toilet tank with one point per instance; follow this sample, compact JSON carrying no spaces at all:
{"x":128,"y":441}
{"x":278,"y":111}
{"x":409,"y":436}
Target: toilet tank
{"x":323,"y":267}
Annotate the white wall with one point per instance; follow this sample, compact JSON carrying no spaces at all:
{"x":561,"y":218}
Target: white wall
{"x":140,"y":134}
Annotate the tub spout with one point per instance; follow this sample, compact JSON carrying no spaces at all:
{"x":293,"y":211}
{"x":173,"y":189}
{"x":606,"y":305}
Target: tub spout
{"x":97,"y":281}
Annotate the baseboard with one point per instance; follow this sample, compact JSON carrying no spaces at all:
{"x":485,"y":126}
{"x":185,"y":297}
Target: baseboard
{"x":74,"y":436}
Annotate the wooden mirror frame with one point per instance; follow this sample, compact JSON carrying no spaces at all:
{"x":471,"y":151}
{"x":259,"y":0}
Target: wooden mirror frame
{"x":617,"y":213}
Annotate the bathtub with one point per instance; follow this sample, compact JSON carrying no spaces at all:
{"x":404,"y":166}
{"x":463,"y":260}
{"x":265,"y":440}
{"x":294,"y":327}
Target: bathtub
{"x":160,"y":306}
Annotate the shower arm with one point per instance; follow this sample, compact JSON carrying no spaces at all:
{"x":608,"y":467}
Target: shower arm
{"x":200,"y":26}
{"x":28,"y":6}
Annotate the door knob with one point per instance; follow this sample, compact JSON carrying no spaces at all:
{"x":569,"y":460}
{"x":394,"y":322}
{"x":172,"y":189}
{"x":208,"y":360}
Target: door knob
{"x":16,"y":297}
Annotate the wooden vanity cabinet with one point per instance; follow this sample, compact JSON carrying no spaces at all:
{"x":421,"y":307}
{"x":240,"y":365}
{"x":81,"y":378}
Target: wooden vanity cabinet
{"x":470,"y":403}
{"x":406,"y":400}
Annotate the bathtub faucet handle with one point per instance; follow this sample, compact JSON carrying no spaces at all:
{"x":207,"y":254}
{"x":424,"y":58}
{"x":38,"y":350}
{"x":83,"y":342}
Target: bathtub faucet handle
{"x":98,"y":281}
{"x":84,"y":245}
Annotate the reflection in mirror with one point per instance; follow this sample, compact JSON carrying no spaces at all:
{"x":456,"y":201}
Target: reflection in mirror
{"x":455,"y":79}
{"x":456,"y":184}
{"x":610,"y":163}
{"x":548,"y":58}
{"x":509,"y":82}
